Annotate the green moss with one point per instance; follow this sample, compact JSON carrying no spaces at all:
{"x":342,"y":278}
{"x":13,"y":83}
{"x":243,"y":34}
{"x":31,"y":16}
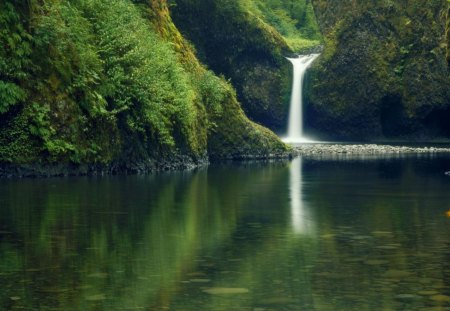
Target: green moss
{"x":374,"y":53}
{"x":226,"y":141}
{"x":295,"y":21}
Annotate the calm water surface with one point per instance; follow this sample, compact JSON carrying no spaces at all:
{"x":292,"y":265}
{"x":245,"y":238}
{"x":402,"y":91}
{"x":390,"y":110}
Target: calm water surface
{"x":335,"y":234}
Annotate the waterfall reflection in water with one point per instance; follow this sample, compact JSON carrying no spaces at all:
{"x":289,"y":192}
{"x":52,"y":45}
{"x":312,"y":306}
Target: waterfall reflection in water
{"x":302,"y":222}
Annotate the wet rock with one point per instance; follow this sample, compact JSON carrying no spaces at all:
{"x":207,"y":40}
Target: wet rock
{"x":145,"y":166}
{"x":343,"y":150}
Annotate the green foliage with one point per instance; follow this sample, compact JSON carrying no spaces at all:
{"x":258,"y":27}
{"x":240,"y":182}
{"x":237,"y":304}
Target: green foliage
{"x":15,"y":51}
{"x":213,"y":91}
{"x":40,"y":127}
{"x":101,"y":84}
{"x":67,"y":55}
{"x":144,"y":83}
{"x":295,"y":20}
{"x":40,"y":123}
{"x":10,"y":94}
{"x":69,"y":74}
{"x":15,"y":48}
{"x":302,"y":45}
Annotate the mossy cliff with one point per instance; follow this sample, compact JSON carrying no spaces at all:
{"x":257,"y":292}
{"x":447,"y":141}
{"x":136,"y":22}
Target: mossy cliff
{"x":236,"y":43}
{"x":112,"y":84}
{"x":384,"y":72}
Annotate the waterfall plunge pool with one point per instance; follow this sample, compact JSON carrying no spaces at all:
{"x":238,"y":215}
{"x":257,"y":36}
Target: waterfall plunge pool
{"x":353,"y":234}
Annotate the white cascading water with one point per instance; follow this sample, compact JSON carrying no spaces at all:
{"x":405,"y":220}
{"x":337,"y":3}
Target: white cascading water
{"x":295,"y":125}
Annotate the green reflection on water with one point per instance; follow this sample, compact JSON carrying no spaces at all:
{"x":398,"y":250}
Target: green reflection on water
{"x":307,"y":235}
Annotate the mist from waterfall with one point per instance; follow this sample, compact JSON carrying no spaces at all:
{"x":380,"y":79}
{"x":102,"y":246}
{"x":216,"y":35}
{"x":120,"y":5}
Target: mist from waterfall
{"x":295,"y":125}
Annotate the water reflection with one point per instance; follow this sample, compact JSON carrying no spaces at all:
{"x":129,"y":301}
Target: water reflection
{"x":310,"y":235}
{"x":302,"y":222}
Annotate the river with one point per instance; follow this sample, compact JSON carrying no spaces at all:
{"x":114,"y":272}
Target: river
{"x":330,"y":234}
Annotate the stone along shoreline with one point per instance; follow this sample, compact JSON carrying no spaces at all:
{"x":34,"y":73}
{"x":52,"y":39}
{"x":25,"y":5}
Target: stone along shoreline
{"x":364,"y":149}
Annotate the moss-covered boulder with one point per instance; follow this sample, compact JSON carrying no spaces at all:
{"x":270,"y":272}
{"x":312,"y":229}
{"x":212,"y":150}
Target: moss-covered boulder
{"x":384,"y":72}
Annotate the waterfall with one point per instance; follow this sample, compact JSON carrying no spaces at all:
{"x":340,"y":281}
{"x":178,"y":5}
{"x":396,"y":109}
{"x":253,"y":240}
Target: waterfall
{"x":295,"y":125}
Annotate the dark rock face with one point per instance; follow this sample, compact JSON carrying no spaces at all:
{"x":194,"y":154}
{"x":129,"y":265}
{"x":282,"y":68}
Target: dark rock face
{"x":38,"y":170}
{"x":384,"y":72}
{"x":236,"y":44}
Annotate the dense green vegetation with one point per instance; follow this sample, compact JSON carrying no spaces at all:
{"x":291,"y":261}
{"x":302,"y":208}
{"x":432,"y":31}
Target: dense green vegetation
{"x":384,"y":72}
{"x":295,"y":20}
{"x":94,"y":81}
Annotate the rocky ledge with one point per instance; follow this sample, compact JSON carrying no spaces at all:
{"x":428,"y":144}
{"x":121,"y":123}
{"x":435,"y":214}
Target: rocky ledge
{"x":369,"y":149}
{"x":39,"y":170}
{"x":173,"y":163}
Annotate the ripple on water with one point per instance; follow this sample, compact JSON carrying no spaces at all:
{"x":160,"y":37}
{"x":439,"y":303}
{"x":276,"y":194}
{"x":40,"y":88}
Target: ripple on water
{"x":225,"y":290}
{"x":427,"y":293}
{"x":376,"y":262}
{"x":381,"y":233}
{"x":98,"y":275}
{"x":396,"y":274}
{"x":406,"y":297}
{"x":98,"y":297}
{"x":199,"y":280}
{"x":387,"y":247}
{"x":440,"y":298}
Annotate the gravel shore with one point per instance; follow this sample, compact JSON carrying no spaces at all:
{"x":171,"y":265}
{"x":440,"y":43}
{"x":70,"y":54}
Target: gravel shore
{"x":369,"y":149}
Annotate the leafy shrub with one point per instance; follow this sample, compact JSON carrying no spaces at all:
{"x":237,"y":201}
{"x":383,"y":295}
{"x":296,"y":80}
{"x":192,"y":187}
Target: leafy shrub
{"x":15,"y":51}
{"x":144,"y":83}
{"x":295,"y":20}
{"x":10,"y":94}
